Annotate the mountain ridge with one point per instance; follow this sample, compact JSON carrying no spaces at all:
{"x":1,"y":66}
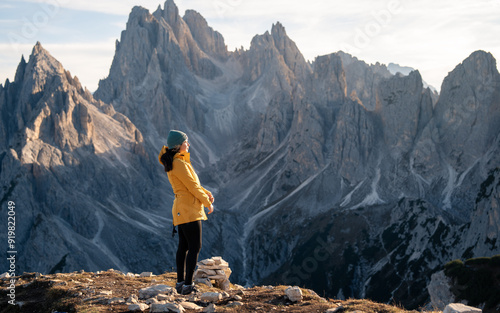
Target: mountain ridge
{"x":291,"y":111}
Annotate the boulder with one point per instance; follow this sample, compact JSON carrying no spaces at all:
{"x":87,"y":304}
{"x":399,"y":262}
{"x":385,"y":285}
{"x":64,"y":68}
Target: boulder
{"x":132,"y":300}
{"x":162,"y":297}
{"x":439,"y":291}
{"x":105,"y":293}
{"x":211,"y":296}
{"x":116,"y":300}
{"x":211,"y":308}
{"x":138,"y":307}
{"x":460,"y":308}
{"x":204,"y":281}
{"x":190,"y":306}
{"x":167,"y":307}
{"x":153,"y":291}
{"x":223,"y":284}
{"x":294,"y":294}
{"x":234,"y":304}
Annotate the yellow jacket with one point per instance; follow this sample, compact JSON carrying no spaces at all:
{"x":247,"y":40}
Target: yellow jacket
{"x":190,"y":196}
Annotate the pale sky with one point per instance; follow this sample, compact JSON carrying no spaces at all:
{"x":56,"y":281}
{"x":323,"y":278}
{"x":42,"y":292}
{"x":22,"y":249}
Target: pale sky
{"x":432,"y":36}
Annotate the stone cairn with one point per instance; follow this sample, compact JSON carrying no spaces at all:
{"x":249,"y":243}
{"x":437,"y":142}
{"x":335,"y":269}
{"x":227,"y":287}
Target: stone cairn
{"x":214,"y":269}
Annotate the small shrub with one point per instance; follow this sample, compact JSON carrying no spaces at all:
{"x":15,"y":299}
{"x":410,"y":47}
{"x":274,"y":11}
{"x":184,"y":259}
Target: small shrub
{"x":476,"y":281}
{"x":478,"y":261}
{"x":495,"y":261}
{"x":478,"y":287}
{"x":453,"y":268}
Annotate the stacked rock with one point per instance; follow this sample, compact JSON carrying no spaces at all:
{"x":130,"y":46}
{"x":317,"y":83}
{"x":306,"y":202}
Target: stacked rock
{"x":213,"y":269}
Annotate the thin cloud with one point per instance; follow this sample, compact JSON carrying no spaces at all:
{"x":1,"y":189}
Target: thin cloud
{"x":428,"y":35}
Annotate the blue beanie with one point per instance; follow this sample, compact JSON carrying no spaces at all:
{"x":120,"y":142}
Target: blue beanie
{"x":175,"y":138}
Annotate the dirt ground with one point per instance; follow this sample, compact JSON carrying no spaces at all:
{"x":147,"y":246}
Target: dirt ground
{"x":108,"y":291}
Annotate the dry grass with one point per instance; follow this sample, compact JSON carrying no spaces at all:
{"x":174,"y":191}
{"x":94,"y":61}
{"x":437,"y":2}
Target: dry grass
{"x":80,"y":292}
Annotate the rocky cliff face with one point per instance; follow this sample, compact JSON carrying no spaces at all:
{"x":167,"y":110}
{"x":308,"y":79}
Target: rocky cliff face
{"x":335,"y":174}
{"x":71,"y":164}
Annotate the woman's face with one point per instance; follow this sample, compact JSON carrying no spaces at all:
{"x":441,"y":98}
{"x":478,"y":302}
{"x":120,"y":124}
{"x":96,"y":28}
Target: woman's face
{"x":184,"y":147}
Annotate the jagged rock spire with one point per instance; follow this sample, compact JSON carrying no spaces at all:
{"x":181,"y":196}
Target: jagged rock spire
{"x":210,"y":41}
{"x":469,"y":94}
{"x":171,"y":14}
{"x":20,"y":70}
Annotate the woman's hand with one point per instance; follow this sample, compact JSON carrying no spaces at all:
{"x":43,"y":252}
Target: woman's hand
{"x":211,"y":209}
{"x":211,"y":198}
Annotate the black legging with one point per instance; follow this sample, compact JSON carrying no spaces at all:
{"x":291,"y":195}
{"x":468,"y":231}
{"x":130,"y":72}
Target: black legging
{"x":190,"y":244}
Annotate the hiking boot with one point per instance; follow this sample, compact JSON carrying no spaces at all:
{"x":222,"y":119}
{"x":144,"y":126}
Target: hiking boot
{"x":178,"y":287}
{"x":187,"y":289}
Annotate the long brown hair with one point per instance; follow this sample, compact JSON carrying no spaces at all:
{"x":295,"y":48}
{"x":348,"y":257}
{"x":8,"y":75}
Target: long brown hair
{"x":168,"y":158}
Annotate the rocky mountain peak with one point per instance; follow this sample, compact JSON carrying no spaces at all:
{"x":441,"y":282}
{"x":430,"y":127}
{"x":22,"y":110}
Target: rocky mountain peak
{"x":52,"y":135}
{"x":406,"y":70}
{"x":24,"y":97}
{"x":20,"y":69}
{"x":43,"y":64}
{"x":210,"y":41}
{"x":478,"y":68}
{"x":195,"y":44}
{"x":290,"y":52}
{"x":171,"y":13}
{"x":39,"y":52}
{"x":481,"y":60}
{"x":459,"y":109}
{"x":64,"y":120}
{"x":362,"y":78}
{"x":278,"y":30}
{"x":329,"y":79}
{"x":275,"y":51}
{"x":405,"y":109}
{"x":37,"y":48}
{"x":41,"y":67}
{"x":138,"y":13}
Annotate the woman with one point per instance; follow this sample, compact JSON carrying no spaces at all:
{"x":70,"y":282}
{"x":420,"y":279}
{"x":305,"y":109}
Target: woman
{"x":187,"y":211}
